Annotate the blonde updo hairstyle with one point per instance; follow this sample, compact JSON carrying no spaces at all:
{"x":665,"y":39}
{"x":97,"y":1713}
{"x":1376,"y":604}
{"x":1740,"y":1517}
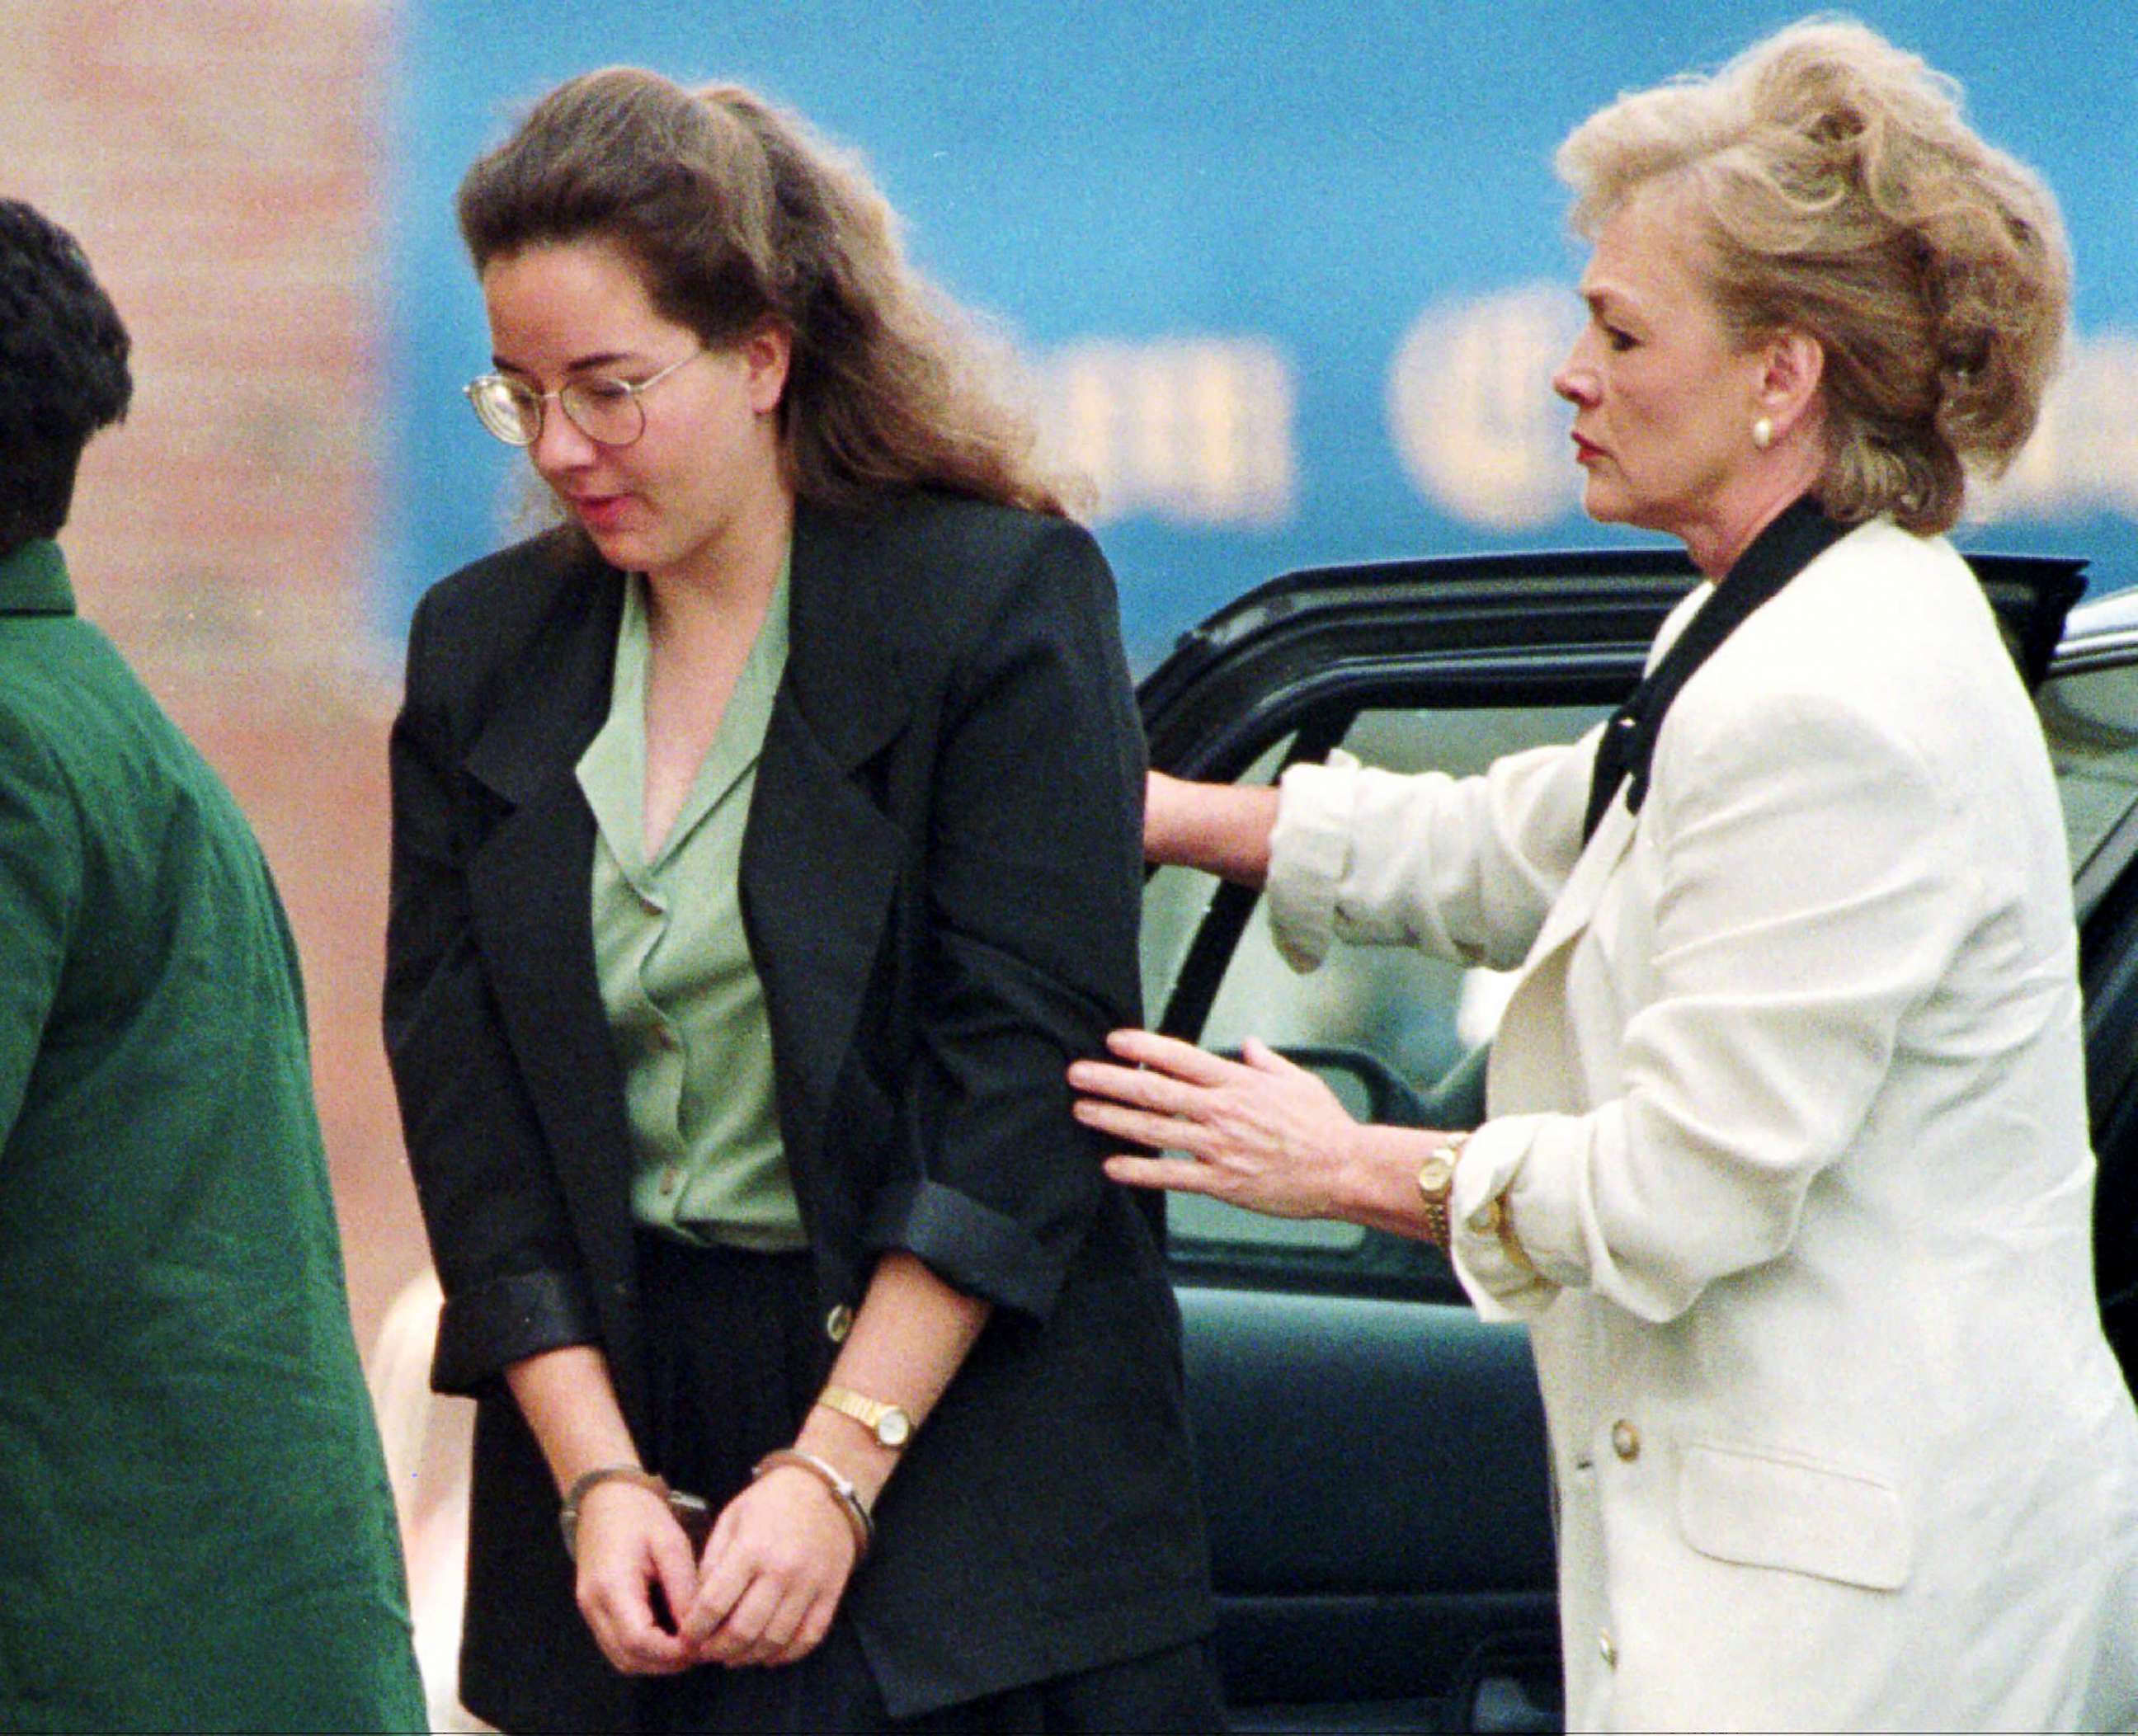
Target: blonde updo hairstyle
{"x":1839,"y":193}
{"x":735,"y":211}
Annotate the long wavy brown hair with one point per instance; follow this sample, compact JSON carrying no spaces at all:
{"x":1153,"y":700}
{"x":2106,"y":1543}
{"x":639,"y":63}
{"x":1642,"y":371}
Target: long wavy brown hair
{"x":735,"y":210}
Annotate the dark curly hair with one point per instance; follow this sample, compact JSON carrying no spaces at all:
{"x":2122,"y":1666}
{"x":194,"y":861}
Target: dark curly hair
{"x":63,"y":372}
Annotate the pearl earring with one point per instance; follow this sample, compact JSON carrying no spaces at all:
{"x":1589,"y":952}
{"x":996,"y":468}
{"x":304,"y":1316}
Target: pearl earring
{"x":1763,"y":433}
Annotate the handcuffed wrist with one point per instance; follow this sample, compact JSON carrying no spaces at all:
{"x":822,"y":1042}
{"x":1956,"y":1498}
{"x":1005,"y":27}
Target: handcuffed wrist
{"x":842,"y":1487}
{"x":567,"y":1516}
{"x":689,"y":1511}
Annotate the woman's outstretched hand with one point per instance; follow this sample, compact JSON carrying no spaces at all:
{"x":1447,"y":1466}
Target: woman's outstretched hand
{"x":1263,"y":1133}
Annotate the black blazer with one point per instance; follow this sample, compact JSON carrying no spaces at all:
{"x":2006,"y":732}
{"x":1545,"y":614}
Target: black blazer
{"x":940,"y":884}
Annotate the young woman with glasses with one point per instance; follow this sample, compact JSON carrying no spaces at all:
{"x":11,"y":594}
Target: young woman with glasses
{"x":766,"y":841}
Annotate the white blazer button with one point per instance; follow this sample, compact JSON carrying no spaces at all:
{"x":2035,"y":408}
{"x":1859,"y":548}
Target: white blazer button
{"x":1625,"y":1440}
{"x":838,"y":1323}
{"x":671,"y":1178}
{"x":1607,"y":1651}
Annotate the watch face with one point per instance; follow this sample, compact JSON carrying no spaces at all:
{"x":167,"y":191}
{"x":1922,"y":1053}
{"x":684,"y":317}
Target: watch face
{"x":1435,"y":1173}
{"x":894,"y":1428}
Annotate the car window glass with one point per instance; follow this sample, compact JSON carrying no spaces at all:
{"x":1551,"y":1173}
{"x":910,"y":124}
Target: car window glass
{"x":1389,"y":1007}
{"x":1176,"y":900}
{"x":2092,"y":723}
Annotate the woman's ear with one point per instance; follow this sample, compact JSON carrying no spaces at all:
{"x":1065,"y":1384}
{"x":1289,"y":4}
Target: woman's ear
{"x":767,"y":351}
{"x":1793,"y":363}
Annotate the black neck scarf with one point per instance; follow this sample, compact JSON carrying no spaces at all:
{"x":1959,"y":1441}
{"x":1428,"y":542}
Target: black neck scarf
{"x":1784,"y":549}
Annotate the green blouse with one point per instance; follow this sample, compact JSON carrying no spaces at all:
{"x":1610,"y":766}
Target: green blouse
{"x":684,"y":1001}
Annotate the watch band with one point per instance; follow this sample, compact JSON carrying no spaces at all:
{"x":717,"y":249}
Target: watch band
{"x":1436,"y":1187}
{"x":842,"y":1486}
{"x":890,"y":1425}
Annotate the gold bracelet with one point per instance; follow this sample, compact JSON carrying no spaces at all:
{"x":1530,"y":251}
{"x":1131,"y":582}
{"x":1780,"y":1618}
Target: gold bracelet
{"x":842,"y":1486}
{"x":1495,"y":1218}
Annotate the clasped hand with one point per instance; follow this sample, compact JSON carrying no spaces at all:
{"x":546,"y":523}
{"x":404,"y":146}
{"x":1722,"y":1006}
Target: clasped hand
{"x":1263,"y":1133}
{"x":764,"y":1593}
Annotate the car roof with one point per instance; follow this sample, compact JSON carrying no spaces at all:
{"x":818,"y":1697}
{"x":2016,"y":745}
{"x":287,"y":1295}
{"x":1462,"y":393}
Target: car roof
{"x":2101,"y":630}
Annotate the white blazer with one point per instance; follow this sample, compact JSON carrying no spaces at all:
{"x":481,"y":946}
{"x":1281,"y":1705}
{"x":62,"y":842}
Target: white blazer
{"x":1788,"y":1109}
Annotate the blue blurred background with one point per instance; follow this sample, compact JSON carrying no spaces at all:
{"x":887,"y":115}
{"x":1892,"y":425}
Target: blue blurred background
{"x":1291,"y":278}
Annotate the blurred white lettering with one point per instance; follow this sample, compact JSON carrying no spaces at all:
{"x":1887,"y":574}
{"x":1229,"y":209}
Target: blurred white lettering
{"x":2084,"y":455}
{"x":1195,"y":430}
{"x":1471,"y":410}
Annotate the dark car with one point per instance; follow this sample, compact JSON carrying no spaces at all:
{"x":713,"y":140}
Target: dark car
{"x":1373,"y":1452}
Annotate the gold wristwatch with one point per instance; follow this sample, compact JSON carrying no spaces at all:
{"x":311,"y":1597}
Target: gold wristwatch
{"x":1435,"y":1186}
{"x":890,"y":1426}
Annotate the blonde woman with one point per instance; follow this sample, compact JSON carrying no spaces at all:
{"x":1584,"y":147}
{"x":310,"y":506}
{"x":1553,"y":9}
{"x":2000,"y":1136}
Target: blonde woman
{"x":1786,"y":1162}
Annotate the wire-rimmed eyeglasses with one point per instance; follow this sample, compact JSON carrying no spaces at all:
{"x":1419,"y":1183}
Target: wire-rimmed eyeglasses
{"x":606,"y":411}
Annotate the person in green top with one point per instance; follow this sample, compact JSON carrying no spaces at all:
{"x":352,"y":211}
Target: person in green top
{"x":195,"y":1530}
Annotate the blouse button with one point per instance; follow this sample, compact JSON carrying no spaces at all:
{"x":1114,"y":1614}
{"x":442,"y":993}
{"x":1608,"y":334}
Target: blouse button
{"x":1625,"y":1440}
{"x":671,"y":1178}
{"x":1607,"y":1651}
{"x":838,"y":1323}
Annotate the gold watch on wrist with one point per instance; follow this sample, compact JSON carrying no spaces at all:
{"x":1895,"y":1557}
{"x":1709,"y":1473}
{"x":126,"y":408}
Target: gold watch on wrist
{"x":890,"y":1426}
{"x":1435,"y":1186}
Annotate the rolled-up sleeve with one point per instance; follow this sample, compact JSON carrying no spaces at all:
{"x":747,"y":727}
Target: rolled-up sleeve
{"x":1464,"y":868}
{"x":1033,"y":900}
{"x":1813,"y":885}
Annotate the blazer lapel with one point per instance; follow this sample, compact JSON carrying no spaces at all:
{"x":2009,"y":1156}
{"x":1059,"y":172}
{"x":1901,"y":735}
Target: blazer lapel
{"x":530,"y":885}
{"x":820,"y":858}
{"x":1531,"y":1066}
{"x":1576,"y":903}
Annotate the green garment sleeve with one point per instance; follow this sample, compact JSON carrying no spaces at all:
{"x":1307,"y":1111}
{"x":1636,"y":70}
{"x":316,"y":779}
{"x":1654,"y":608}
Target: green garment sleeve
{"x":41,"y":887}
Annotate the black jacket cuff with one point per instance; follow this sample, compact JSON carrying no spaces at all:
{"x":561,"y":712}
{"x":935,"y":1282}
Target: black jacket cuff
{"x":969,"y":1245}
{"x":483,"y":1331}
